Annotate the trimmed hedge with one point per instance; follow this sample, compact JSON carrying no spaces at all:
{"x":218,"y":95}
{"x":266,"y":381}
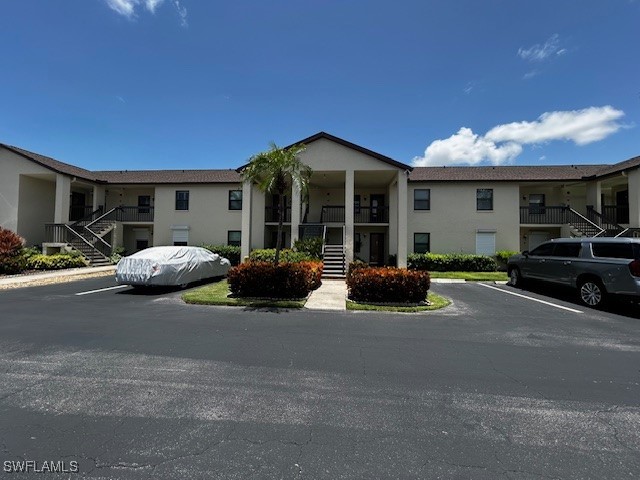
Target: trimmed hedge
{"x":286,"y":256}
{"x":388,"y":285}
{"x":355,"y":265}
{"x":230,"y":252}
{"x":451,"y":262}
{"x":503,"y":255}
{"x":58,"y":261}
{"x":266,"y":280}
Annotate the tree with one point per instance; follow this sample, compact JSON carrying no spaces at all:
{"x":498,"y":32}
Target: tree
{"x":274,"y":172}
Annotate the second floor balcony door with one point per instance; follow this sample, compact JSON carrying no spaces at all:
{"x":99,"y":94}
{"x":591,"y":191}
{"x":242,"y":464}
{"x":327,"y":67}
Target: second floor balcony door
{"x":377,"y":209}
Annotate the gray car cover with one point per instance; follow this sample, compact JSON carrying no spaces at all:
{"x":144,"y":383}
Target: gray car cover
{"x":164,"y":266}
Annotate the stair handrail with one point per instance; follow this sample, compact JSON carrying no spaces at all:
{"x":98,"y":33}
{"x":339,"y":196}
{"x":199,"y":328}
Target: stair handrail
{"x":77,"y":235}
{"x":114,"y":209}
{"x":88,"y":217}
{"x":324,"y":239}
{"x":622,"y":232}
{"x":605,"y":221}
{"x":587,"y":221}
{"x":105,"y":245}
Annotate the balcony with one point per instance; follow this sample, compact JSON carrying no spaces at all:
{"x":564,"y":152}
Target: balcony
{"x":617,"y":213}
{"x":271,"y":215}
{"x":335,"y":214}
{"x":543,"y":215}
{"x":134,"y":214}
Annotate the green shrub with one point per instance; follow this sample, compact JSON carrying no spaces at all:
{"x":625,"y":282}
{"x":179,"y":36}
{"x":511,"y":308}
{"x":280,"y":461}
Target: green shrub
{"x":264,"y":279}
{"x":503,"y":255}
{"x":286,"y":256}
{"x":310,"y":246}
{"x":451,"y":262}
{"x":11,"y":260}
{"x":388,"y":285}
{"x":58,"y":261}
{"x":230,"y":252}
{"x":392,"y":261}
{"x":116,"y":256}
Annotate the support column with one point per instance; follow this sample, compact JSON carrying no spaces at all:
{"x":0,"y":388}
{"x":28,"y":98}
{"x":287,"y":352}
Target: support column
{"x":295,"y":213}
{"x":98,"y":197}
{"x":245,"y":242}
{"x":634,"y":198}
{"x":393,"y":218}
{"x":594,"y":190}
{"x":402,"y":218}
{"x":349,"y":180}
{"x":63,"y":199}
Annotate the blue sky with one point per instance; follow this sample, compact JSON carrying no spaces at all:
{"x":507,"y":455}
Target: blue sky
{"x":145,"y":84}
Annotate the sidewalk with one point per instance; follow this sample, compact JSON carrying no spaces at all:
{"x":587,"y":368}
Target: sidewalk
{"x":332,"y":295}
{"x":58,"y":276}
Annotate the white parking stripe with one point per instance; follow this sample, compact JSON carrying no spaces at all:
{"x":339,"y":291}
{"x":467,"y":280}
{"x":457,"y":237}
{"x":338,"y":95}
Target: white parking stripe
{"x":531,"y":298}
{"x":102,"y":290}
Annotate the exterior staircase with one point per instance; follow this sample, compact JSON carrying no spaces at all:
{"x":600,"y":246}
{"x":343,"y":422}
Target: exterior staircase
{"x":334,"y":261}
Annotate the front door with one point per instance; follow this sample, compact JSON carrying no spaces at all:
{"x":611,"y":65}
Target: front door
{"x":77,"y":206}
{"x":622,"y":202}
{"x":377,"y":209}
{"x":376,"y":252}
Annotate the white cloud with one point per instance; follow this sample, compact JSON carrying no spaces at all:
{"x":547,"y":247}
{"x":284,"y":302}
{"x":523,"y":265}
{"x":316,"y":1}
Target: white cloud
{"x":540,"y":52}
{"x":466,"y":147}
{"x":123,"y":7}
{"x":579,"y":126}
{"x":531,"y":74}
{"x":129,"y":8}
{"x":503,"y":143}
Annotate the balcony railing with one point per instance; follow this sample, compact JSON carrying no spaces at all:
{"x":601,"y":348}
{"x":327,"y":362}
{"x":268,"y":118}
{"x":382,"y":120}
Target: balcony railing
{"x":617,"y":213}
{"x":331,"y":214}
{"x":77,"y":212}
{"x":134,"y":214}
{"x":271,"y":214}
{"x":543,"y":215}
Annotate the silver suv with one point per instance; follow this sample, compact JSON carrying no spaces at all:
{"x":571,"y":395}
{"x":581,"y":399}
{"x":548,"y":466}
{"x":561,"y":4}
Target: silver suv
{"x":597,"y":267}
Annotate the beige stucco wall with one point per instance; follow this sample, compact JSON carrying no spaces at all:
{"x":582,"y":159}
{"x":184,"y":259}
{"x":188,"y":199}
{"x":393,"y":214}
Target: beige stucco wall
{"x":324,"y":154}
{"x":12,"y":167}
{"x":453,"y":219}
{"x":209,"y":218}
{"x":34,"y":209}
{"x":127,"y":196}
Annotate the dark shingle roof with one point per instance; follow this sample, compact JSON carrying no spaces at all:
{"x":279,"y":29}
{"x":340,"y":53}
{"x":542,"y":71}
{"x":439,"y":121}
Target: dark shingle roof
{"x":503,"y":173}
{"x":170,"y":176}
{"x":619,"y":167}
{"x":53,"y":164}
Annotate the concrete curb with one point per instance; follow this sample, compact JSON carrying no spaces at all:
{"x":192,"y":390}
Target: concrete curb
{"x":71,"y":272}
{"x":448,"y":280}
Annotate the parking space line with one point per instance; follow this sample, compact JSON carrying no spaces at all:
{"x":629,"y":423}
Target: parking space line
{"x":102,"y":290}
{"x":531,"y":298}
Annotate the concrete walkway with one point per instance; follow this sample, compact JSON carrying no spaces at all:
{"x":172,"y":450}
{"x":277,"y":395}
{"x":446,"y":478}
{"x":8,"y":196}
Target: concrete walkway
{"x":47,"y":277}
{"x":331,"y":295}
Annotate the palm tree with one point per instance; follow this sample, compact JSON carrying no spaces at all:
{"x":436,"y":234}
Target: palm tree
{"x":274,"y":171}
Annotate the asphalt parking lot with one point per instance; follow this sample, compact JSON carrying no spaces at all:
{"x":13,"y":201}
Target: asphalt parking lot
{"x":503,"y":383}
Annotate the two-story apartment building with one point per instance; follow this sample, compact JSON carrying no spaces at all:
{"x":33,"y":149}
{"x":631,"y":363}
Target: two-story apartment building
{"x":371,"y":206}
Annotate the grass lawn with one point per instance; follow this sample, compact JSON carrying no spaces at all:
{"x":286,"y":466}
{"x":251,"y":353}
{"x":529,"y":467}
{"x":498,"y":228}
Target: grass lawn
{"x":216,"y":294}
{"x":437,"y":302}
{"x":472,"y":276}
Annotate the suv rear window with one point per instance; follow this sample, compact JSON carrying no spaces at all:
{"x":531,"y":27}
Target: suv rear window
{"x":613,"y":250}
{"x":543,"y":250}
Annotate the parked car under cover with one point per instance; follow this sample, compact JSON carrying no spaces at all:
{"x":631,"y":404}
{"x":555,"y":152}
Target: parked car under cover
{"x":170,"y":266}
{"x":597,"y":267}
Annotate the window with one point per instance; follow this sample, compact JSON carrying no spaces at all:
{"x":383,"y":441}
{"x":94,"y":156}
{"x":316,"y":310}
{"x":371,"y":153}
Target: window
{"x":234,"y":237}
{"x":567,"y":250}
{"x":422,"y":199}
{"x":544,"y":250}
{"x":613,"y":250}
{"x":182,"y":199}
{"x":180,"y":235}
{"x":235,"y":199}
{"x":536,"y":203}
{"x":144,"y":202}
{"x":484,"y":199}
{"x":421,"y":242}
{"x":486,"y":243}
{"x":356,"y":204}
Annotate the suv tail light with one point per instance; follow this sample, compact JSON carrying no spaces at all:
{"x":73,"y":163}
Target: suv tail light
{"x":634,"y":268}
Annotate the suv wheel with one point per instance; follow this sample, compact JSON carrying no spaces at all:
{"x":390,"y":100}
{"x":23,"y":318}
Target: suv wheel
{"x":515,"y":278}
{"x":592,"y":293}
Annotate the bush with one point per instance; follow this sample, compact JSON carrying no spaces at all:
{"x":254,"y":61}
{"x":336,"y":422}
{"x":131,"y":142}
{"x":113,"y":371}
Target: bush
{"x":310,"y":246}
{"x":503,"y":255}
{"x":117,"y":255}
{"x":451,"y":262}
{"x":58,"y":261}
{"x":355,"y":265}
{"x":388,"y":285}
{"x":286,"y":256}
{"x":230,"y":252}
{"x":11,"y":260}
{"x":264,"y":279}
